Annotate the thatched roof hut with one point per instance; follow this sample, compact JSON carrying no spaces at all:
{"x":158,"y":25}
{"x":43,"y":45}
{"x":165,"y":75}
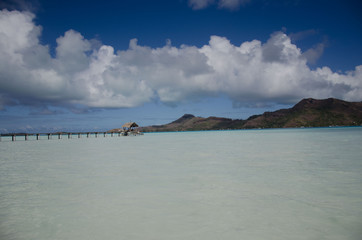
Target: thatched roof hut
{"x":130,"y":125}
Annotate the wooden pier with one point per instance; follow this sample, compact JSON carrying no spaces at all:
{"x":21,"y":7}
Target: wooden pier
{"x":69,"y":135}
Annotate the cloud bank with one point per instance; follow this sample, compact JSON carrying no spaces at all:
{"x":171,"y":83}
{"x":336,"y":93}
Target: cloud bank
{"x":253,"y":73}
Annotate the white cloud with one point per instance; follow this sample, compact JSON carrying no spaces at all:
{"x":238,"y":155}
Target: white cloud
{"x":252,"y":73}
{"x":71,"y":52}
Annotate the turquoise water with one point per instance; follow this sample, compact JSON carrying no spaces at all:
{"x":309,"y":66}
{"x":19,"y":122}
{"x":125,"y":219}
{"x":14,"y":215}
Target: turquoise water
{"x":255,"y":184}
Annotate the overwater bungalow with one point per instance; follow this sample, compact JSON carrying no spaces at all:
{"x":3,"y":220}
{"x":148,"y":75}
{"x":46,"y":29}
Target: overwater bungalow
{"x":130,"y":128}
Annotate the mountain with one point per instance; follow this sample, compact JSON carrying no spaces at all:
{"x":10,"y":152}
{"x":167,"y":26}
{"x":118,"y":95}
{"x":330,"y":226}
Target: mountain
{"x":311,"y":113}
{"x":189,"y":122}
{"x":307,"y":113}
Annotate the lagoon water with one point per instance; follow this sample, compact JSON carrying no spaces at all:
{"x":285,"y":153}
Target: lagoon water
{"x":248,"y":184}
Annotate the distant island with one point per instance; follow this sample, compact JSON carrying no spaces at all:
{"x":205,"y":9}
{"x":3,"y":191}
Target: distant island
{"x":307,"y":113}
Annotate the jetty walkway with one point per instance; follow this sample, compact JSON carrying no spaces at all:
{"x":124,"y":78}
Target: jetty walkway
{"x":69,"y":135}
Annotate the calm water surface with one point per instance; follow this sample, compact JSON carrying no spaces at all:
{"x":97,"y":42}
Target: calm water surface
{"x":257,"y":184}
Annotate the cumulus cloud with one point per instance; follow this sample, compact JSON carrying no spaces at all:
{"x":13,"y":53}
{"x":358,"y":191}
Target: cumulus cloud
{"x":228,"y":4}
{"x":85,"y":74}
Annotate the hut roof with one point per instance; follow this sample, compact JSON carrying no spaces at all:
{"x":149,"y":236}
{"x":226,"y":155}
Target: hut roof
{"x":130,"y":125}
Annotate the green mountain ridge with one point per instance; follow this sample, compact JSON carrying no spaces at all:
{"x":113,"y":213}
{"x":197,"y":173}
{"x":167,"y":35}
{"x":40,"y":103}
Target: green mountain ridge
{"x":307,"y":113}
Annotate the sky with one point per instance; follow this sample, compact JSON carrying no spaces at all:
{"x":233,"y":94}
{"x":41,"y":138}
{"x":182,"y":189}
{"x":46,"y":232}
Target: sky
{"x":93,"y":65}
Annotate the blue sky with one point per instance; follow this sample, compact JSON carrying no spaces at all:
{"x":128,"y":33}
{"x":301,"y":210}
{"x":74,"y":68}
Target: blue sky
{"x":93,"y":65}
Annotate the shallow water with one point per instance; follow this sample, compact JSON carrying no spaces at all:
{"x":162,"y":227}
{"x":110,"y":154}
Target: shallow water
{"x":250,"y":184}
